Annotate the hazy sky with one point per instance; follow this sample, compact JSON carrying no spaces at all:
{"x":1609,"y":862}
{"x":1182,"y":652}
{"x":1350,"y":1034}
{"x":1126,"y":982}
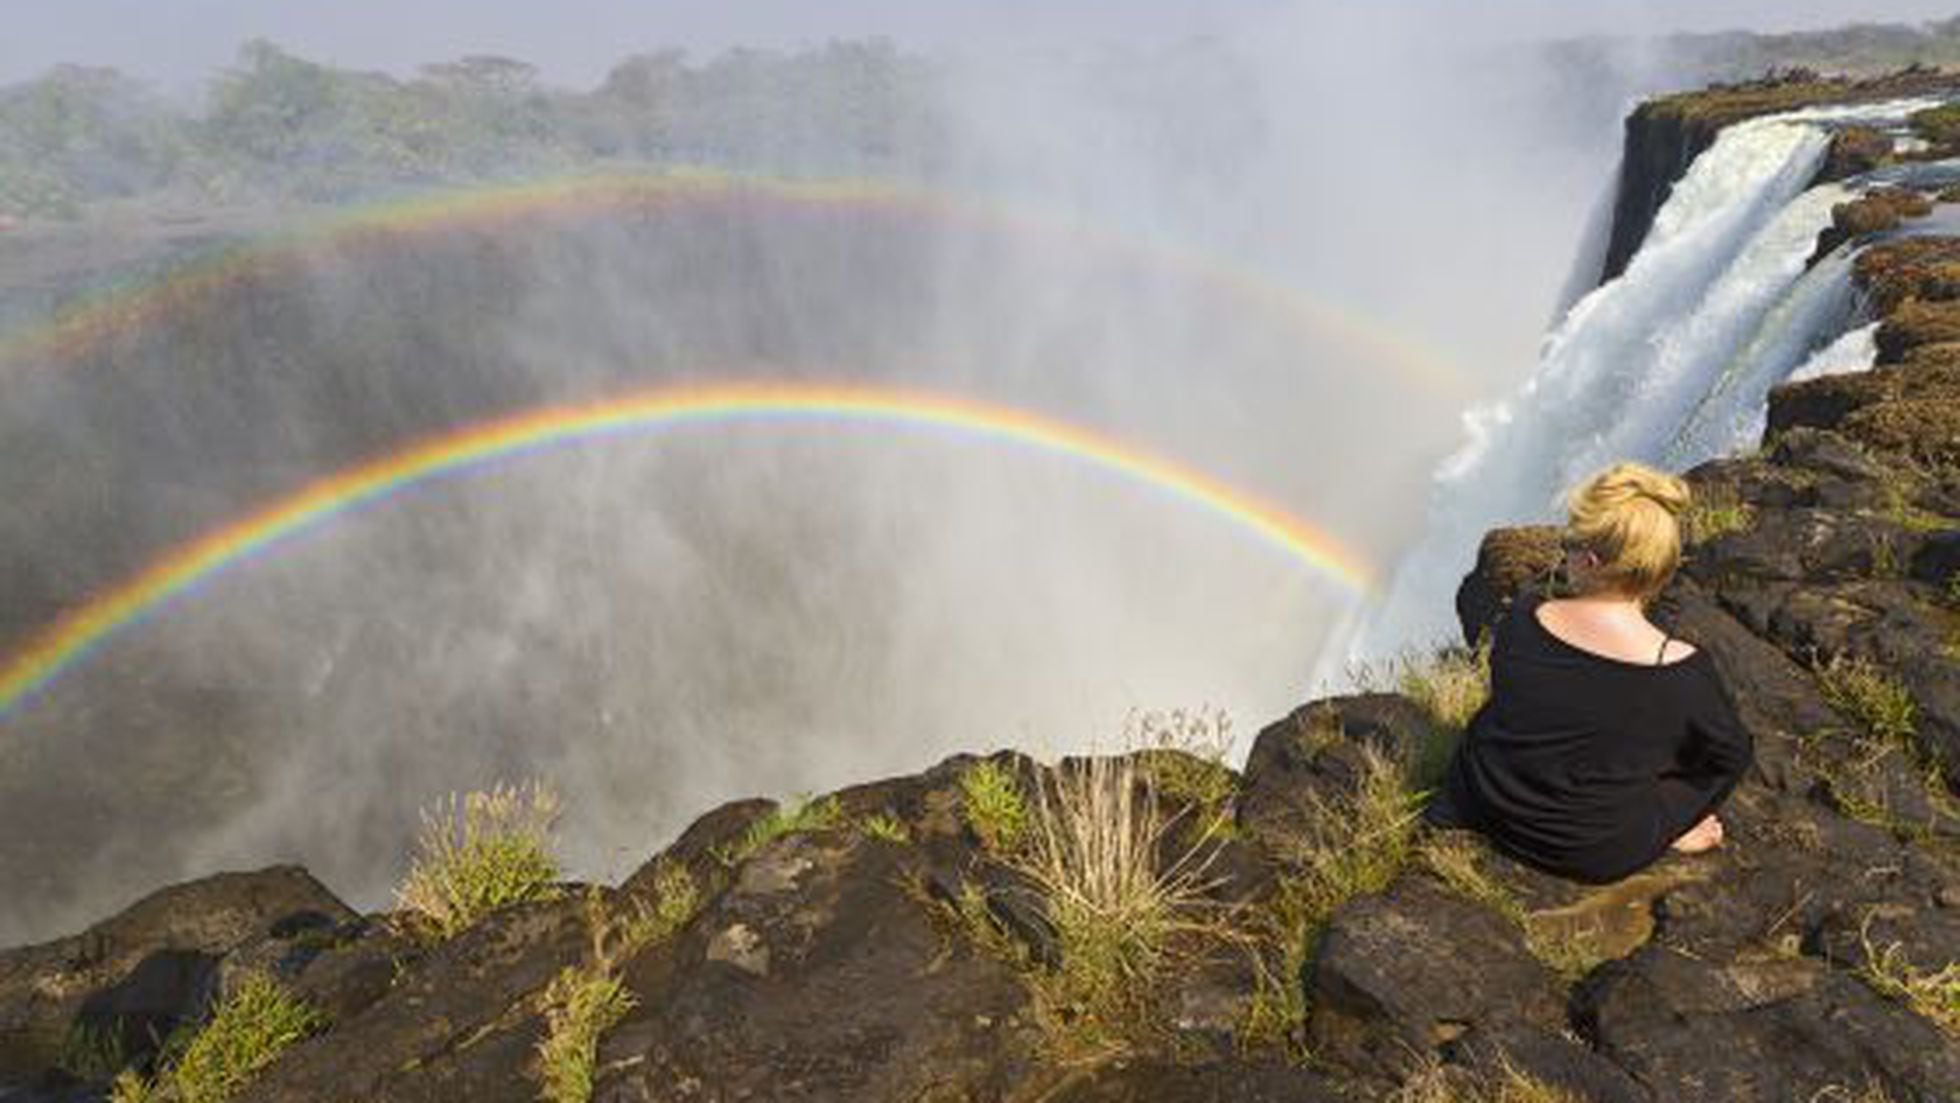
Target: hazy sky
{"x":178,"y":42}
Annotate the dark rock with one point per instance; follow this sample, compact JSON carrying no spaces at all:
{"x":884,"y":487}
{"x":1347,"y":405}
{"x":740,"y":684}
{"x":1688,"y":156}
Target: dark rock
{"x":1855,"y":150}
{"x":152,"y":963}
{"x":458,"y":1023}
{"x":1400,"y":975}
{"x":1510,"y":561}
{"x":1761,"y":1033}
{"x":1316,"y":753}
{"x":829,"y":982}
{"x":1551,"y":1059}
{"x":1223,"y":1082}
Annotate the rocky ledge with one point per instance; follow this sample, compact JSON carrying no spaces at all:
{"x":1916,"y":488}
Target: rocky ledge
{"x":1287,"y":932}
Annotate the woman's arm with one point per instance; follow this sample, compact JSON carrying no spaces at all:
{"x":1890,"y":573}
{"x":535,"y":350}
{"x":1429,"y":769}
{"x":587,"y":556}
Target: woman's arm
{"x":1717,"y":753}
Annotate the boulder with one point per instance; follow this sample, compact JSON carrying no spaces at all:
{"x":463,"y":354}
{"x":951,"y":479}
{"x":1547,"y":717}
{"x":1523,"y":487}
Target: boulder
{"x":1509,"y":561}
{"x":1400,"y":975}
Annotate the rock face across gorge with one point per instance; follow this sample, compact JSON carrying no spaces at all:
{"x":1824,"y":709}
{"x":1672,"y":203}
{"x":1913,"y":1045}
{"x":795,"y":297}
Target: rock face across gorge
{"x":901,"y":946}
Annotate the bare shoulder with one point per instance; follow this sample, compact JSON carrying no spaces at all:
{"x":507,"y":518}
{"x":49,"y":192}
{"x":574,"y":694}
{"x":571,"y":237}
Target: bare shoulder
{"x":1675,"y":651}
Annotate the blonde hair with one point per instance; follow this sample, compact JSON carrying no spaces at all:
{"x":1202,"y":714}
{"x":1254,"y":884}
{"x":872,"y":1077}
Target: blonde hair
{"x":1626,"y":516}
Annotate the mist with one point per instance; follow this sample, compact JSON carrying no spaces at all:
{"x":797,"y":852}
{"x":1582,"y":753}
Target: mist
{"x":1286,"y":245}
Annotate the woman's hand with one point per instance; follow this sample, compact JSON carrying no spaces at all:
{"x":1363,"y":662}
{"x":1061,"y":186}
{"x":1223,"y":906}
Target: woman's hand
{"x":1706,"y":835}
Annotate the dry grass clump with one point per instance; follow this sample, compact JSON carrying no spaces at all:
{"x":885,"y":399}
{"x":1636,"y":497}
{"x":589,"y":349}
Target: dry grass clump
{"x":1454,"y":858}
{"x":800,"y":815}
{"x":1934,"y":995}
{"x":480,"y":852}
{"x":251,"y":1028}
{"x":1118,"y":913}
{"x":586,"y":1000}
{"x":1449,"y":684}
{"x":1353,"y":845}
{"x":994,"y":805}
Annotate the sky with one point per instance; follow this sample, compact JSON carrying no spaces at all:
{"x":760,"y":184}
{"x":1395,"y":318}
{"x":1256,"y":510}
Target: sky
{"x":178,"y":43}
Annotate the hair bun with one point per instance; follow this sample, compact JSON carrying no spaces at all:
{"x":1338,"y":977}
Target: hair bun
{"x":1614,"y":515}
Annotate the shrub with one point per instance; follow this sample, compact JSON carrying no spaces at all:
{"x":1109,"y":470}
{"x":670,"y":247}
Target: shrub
{"x":480,"y":852}
{"x":251,"y":1028}
{"x":994,"y":805}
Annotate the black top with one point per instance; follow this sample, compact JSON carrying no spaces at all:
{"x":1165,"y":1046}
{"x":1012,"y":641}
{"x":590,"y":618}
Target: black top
{"x":1588,"y":766}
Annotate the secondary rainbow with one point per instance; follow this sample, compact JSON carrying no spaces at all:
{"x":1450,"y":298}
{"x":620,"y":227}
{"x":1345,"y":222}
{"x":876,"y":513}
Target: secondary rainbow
{"x":69,"y":640}
{"x":102,"y":317}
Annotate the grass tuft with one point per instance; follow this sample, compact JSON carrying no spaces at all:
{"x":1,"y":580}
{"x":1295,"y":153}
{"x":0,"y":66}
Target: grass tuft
{"x":92,"y":1052}
{"x":885,"y":826}
{"x":994,"y":805}
{"x":1118,"y":912}
{"x":1437,"y":1083}
{"x":1454,"y":858}
{"x":1716,"y":512}
{"x":1870,"y":696}
{"x":1449,"y":683}
{"x":480,"y":852}
{"x":251,"y":1028}
{"x":580,"y":1005}
{"x":800,"y":815}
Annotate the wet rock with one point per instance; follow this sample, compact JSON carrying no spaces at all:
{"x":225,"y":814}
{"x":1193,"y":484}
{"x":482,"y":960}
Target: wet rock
{"x":1400,"y":975}
{"x":1875,"y":212}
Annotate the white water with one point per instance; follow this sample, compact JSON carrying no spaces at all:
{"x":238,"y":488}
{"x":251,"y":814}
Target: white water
{"x":1670,"y":363}
{"x":1854,"y":351}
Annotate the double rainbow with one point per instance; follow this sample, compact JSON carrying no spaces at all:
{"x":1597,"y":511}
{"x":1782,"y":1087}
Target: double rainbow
{"x":69,"y":640}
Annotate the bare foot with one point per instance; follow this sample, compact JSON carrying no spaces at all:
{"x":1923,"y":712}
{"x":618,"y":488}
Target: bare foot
{"x":1706,"y":835}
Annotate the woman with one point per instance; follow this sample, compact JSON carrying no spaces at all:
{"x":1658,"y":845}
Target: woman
{"x":1605,"y":741}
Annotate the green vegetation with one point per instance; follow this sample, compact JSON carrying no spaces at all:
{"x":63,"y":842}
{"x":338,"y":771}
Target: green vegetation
{"x":254,"y":1024}
{"x":1121,"y":909}
{"x":584,"y":1001}
{"x":1716,"y":512}
{"x":994,"y":805}
{"x":1450,"y":684}
{"x":480,"y":852}
{"x":1453,"y":857}
{"x":1354,"y":844}
{"x":885,"y":826}
{"x":1935,"y":995}
{"x":1871,"y":697}
{"x":92,"y":1052}
{"x":800,"y":815}
{"x":279,"y":126}
{"x":1938,"y":125}
{"x":1183,"y":754}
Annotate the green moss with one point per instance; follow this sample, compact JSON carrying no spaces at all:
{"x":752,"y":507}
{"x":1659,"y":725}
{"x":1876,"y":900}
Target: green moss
{"x":1938,"y":125}
{"x":1715,"y":513}
{"x":92,"y":1052}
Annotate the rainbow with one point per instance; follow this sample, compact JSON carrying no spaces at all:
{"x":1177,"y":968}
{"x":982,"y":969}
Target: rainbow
{"x":71,"y":638}
{"x":98,"y":319}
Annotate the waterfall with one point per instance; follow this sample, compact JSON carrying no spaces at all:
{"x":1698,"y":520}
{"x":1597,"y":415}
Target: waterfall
{"x":1854,"y":351}
{"x":1669,"y":363}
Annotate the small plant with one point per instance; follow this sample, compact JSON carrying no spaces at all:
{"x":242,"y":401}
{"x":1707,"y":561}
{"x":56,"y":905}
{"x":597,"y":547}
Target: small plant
{"x":1935,"y":995}
{"x":885,"y":826}
{"x":1873,"y":698}
{"x":92,"y":1052}
{"x":251,"y":1028}
{"x":676,"y":899}
{"x":580,"y":1005}
{"x":1714,"y":513}
{"x":800,"y":815}
{"x":1449,"y":683}
{"x":480,"y":852}
{"x":994,"y":805}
